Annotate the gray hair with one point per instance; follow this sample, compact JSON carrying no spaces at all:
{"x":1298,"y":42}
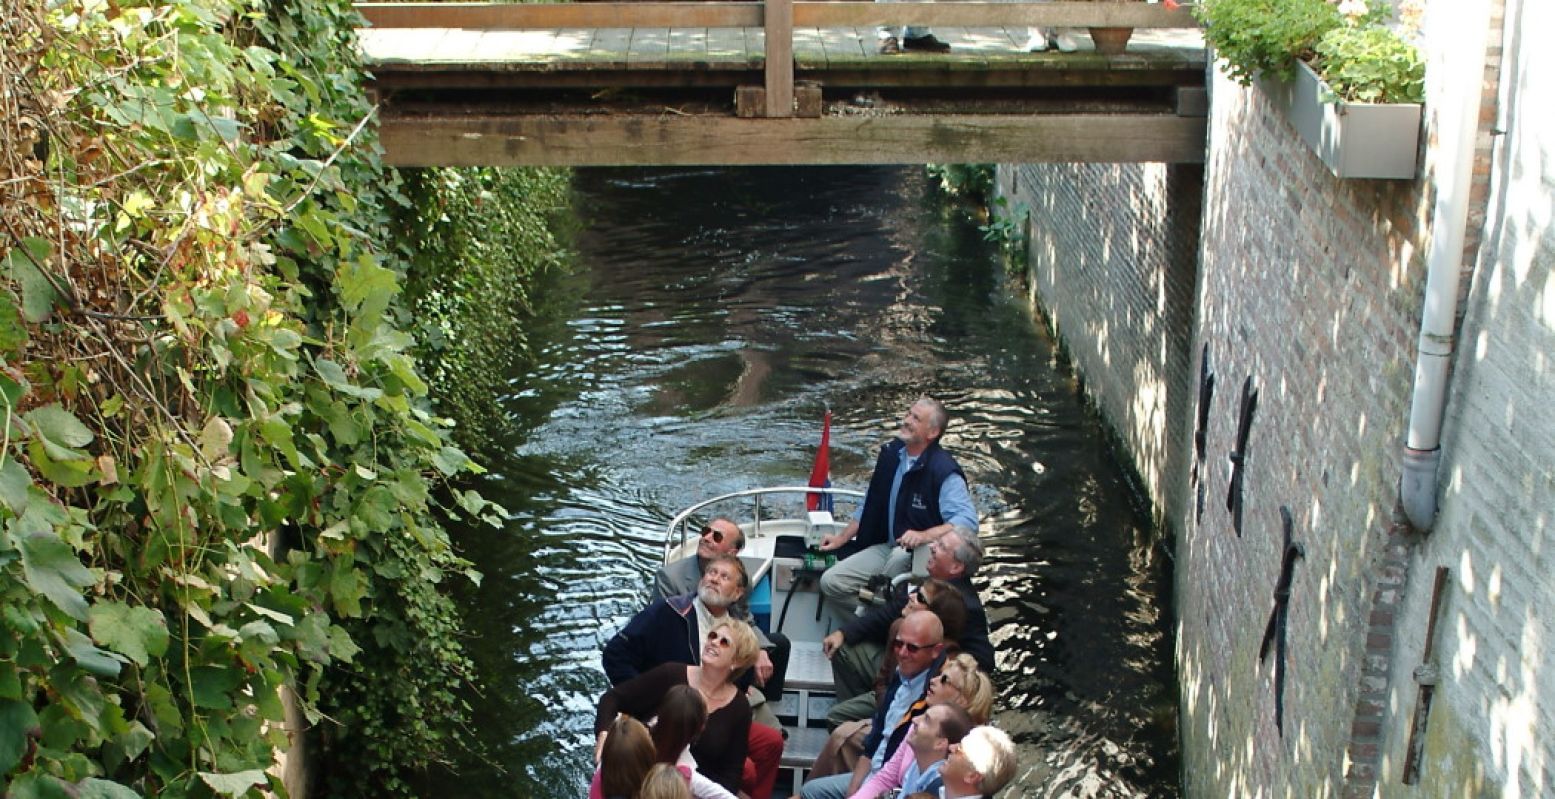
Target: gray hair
{"x":970,"y":553}
{"x":938,"y":416}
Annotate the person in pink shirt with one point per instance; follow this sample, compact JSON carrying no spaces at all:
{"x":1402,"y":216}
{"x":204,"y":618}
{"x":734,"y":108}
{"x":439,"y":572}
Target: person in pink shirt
{"x":916,"y":766}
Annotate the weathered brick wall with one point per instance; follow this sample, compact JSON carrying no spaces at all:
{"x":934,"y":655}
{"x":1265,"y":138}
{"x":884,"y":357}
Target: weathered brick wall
{"x":1313,"y":287}
{"x":1112,"y":260}
{"x":1493,"y":715}
{"x":1309,"y":285}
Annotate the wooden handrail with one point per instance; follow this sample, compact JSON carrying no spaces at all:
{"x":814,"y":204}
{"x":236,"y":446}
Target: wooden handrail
{"x":806,"y":13}
{"x":776,"y":17}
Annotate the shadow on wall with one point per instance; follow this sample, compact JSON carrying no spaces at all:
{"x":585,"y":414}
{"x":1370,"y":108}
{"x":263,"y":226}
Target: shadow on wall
{"x":1113,"y":264}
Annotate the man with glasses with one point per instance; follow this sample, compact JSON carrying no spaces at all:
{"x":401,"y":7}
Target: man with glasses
{"x":917,"y":494}
{"x":722,"y":536}
{"x":857,"y":649}
{"x":920,"y":651}
{"x":981,"y":765}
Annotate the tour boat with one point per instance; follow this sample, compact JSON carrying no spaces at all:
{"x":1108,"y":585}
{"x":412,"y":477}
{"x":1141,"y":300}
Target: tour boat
{"x":785,"y":595}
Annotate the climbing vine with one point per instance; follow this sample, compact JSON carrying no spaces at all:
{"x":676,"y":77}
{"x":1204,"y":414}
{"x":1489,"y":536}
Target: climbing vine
{"x":481,"y":237}
{"x":219,"y":476}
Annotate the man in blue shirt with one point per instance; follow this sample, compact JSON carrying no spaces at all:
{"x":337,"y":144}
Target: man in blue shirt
{"x":920,"y":652}
{"x":917,"y":494}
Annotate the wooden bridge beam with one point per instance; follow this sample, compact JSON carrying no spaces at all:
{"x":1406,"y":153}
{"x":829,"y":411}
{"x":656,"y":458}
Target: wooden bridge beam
{"x":624,"y":140}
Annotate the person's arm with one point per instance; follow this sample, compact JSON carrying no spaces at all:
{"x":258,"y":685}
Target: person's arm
{"x":860,"y":771}
{"x":889,"y":776}
{"x":638,"y":697}
{"x":626,"y":653}
{"x":955,"y":503}
{"x":664,"y":585}
{"x":876,"y":621}
{"x":835,"y":541}
{"x":955,"y":507}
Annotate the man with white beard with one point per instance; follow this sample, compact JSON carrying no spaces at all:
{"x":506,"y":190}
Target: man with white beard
{"x":673,"y":629}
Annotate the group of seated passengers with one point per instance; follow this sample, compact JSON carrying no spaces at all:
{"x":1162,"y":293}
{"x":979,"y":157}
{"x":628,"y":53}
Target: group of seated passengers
{"x":913,"y":669}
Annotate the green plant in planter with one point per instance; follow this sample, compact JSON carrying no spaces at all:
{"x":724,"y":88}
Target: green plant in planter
{"x":1370,"y":64}
{"x":1265,"y":36}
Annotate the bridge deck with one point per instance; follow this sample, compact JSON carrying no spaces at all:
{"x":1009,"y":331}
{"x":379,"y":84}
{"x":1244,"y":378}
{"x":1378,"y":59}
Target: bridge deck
{"x":456,"y":57}
{"x":555,"y":84}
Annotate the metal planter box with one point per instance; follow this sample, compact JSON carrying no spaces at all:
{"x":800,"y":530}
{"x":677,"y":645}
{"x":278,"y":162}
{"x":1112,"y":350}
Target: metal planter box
{"x":1355,"y":140}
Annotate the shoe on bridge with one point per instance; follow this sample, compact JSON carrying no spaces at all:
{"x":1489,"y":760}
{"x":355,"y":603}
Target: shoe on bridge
{"x":927,"y":44}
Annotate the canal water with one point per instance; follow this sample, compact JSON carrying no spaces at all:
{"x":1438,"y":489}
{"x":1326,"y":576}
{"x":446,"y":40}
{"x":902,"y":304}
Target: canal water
{"x":713,"y":315}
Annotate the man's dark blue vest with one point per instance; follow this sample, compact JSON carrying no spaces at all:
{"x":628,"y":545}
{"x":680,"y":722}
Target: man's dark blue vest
{"x":917,"y":501}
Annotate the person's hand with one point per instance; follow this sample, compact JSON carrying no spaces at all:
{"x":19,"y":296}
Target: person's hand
{"x":831,"y":643}
{"x":763,"y":667}
{"x":912,"y":539}
{"x":833,"y":541}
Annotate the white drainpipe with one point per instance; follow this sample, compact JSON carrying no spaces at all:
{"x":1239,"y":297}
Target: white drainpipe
{"x":1457,"y":114}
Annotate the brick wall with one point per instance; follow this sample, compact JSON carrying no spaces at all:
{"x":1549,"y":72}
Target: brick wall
{"x":1112,"y":259}
{"x":1313,"y":287}
{"x":1493,"y":714}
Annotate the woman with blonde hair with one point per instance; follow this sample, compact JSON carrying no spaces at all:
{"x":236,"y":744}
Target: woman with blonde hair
{"x":664,"y":781}
{"x":729,"y":650}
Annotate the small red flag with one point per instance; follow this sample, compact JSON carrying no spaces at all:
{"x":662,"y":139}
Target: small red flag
{"x":820,"y":473}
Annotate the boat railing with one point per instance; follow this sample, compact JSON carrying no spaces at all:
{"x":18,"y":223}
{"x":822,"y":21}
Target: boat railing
{"x":680,"y":524}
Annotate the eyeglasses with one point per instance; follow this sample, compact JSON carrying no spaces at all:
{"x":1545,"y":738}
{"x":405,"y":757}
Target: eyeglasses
{"x":718,"y":536}
{"x":919,"y":597}
{"x":722,"y":640}
{"x":897,"y":643}
{"x":944,"y":679}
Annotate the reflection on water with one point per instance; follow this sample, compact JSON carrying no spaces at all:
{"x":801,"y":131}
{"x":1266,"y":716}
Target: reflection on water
{"x":715,"y":314}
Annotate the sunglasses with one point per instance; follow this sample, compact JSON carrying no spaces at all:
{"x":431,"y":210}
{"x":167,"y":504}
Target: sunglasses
{"x":919,"y":597}
{"x":723,"y":641}
{"x":718,"y":536}
{"x":944,"y":679}
{"x":897,"y":643}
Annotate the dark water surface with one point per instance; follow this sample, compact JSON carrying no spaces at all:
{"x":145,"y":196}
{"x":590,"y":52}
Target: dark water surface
{"x":715,"y":313}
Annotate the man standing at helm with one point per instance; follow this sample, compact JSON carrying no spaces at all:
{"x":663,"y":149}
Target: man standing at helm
{"x":917,"y":494}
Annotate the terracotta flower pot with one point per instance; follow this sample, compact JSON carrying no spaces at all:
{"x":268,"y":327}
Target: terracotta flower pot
{"x":1111,"y":41}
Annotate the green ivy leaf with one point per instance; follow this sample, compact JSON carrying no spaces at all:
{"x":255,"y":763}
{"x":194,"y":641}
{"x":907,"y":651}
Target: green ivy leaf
{"x":16,"y":719}
{"x":236,"y":784}
{"x":59,"y":427}
{"x":34,"y":785}
{"x":213,"y":686}
{"x":367,"y":287}
{"x":89,"y":657}
{"x":94,"y":788}
{"x":52,"y":569}
{"x":12,"y":335}
{"x":135,"y":632}
{"x":38,"y":294}
{"x":14,"y":482}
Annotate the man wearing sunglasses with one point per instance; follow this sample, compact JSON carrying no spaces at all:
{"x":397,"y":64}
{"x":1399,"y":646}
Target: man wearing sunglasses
{"x":920,"y":652}
{"x":858,"y":647}
{"x":917,"y":494}
{"x":722,"y":536}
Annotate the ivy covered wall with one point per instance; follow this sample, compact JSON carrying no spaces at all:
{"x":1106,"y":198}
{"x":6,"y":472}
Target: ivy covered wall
{"x":220,"y":470}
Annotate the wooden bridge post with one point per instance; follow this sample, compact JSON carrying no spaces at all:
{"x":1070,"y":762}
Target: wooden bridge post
{"x":778,"y":21}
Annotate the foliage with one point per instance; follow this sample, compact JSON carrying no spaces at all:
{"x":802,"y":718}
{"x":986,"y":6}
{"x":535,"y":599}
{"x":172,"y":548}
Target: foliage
{"x":971,"y":181}
{"x":1347,"y":44}
{"x":1265,"y":36}
{"x":1370,"y":64}
{"x":482,"y":236}
{"x":218,"y":474}
{"x":1006,"y":227}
